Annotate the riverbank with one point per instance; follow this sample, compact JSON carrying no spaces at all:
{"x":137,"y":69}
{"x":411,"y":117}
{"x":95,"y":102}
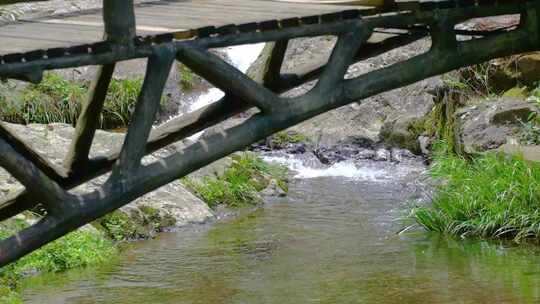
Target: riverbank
{"x":82,"y":248}
{"x":243,"y":181}
{"x":492,"y":196}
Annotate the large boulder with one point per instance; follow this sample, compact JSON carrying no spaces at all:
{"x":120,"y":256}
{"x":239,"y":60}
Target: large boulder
{"x":491,"y":124}
{"x":170,"y":205}
{"x":390,"y":111}
{"x":415,"y":104}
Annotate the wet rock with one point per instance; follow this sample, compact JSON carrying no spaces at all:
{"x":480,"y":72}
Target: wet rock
{"x":298,"y":148}
{"x":173,"y":202}
{"x":329,"y":156}
{"x":399,"y":155}
{"x":425,"y":143}
{"x":273,"y":190}
{"x":365,"y":154}
{"x":382,"y":155}
{"x":491,"y":124}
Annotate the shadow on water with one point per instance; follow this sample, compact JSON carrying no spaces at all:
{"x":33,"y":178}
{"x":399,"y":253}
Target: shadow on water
{"x":332,"y":240}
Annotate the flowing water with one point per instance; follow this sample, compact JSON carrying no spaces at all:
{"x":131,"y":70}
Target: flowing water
{"x":333,"y":239}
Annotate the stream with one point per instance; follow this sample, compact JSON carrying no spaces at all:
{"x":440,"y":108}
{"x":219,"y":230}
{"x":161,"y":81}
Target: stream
{"x":334,"y":239}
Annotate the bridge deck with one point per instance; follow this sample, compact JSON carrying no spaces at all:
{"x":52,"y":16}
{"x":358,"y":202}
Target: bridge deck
{"x":151,"y":19}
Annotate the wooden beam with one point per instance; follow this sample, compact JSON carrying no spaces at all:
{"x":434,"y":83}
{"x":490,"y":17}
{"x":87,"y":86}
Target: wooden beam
{"x":134,"y":148}
{"x":227,"y":78}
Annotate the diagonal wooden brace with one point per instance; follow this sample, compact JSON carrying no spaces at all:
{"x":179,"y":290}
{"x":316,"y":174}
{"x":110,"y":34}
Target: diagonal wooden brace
{"x":227,"y":78}
{"x":39,"y":186}
{"x":134,"y":148}
{"x":76,"y":162}
{"x":342,"y":57}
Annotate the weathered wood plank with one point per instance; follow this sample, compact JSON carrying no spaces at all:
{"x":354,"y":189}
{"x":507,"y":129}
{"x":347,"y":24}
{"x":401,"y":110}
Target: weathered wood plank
{"x":159,"y":17}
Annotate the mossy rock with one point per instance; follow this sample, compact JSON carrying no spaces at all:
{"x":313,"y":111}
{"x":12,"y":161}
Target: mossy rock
{"x":156,"y":219}
{"x":517,"y":93}
{"x":120,"y":226}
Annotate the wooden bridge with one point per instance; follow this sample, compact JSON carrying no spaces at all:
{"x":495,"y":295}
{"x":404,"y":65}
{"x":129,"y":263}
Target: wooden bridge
{"x":185,"y":31}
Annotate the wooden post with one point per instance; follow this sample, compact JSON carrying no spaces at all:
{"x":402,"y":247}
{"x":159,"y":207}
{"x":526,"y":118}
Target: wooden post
{"x":119,"y":19}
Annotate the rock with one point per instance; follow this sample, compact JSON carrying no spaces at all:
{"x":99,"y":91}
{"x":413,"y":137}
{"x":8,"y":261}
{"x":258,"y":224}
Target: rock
{"x":365,"y":154}
{"x":382,"y":155}
{"x":398,"y":130}
{"x":490,"y":124}
{"x":530,"y":152}
{"x":425,"y":143}
{"x":364,"y":119}
{"x":273,"y":190}
{"x":214,"y":169}
{"x":173,"y":202}
{"x":398,"y":155}
{"x":528,"y":67}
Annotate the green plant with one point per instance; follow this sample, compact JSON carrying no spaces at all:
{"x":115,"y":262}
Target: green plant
{"x":283,"y":138}
{"x":57,"y":100}
{"x":481,"y":80}
{"x":119,"y":226}
{"x":153,"y":217}
{"x":80,"y":248}
{"x":491,"y":196}
{"x":52,"y":100}
{"x":119,"y":103}
{"x":530,"y":129}
{"x":240,"y":183}
{"x":187,"y":77}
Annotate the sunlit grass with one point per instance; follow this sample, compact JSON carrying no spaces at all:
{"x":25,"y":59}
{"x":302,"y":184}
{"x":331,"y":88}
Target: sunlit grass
{"x":80,"y":248}
{"x":239,"y":185}
{"x":491,"y":196}
{"x":57,"y":100}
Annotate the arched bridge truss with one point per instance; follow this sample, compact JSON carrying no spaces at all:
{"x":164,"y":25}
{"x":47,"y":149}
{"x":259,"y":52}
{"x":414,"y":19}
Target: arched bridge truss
{"x":50,"y":186}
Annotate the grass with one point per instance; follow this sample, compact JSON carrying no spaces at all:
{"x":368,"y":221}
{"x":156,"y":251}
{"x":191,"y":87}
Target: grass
{"x":118,"y":226}
{"x":240,"y":184}
{"x":80,"y":248}
{"x":530,"y":129}
{"x":439,"y":123}
{"x":490,"y":196}
{"x":187,"y":77}
{"x":282,"y":139}
{"x":57,"y":100}
{"x":120,"y":102}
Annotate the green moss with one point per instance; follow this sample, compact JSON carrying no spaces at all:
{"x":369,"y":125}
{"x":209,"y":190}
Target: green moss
{"x":153,"y":217}
{"x":120,"y":227}
{"x":56,"y":100}
{"x":80,"y":248}
{"x":491,"y":196}
{"x":439,"y":124}
{"x":187,"y":77}
{"x":520,"y":92}
{"x":281,"y":139}
{"x":239,"y":185}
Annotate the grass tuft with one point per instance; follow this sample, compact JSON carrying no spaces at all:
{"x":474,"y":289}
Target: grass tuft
{"x":491,"y":196}
{"x":80,"y":248}
{"x":239,"y":185}
{"x":187,"y":77}
{"x":57,"y":100}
